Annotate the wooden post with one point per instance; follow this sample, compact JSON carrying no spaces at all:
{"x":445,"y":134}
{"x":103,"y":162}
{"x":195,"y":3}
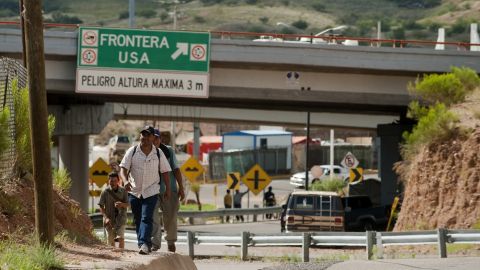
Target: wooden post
{"x":306,"y":247}
{"x":442,"y":243}
{"x":244,"y":252}
{"x":38,"y":121}
{"x":190,"y":243}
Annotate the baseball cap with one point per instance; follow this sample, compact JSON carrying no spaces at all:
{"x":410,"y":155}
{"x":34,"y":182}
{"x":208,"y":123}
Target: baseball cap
{"x":156,"y":132}
{"x":148,"y":129}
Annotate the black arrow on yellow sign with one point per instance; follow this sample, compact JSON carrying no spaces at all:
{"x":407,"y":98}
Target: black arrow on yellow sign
{"x":356,"y":174}
{"x":235,"y":180}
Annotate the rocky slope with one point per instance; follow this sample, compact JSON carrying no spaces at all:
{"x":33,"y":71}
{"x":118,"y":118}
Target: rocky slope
{"x":442,"y":183}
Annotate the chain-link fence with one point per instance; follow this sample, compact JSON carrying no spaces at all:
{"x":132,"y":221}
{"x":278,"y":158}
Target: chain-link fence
{"x":10,"y":70}
{"x":273,"y":161}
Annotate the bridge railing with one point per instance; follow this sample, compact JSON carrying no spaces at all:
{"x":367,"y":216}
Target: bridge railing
{"x":295,"y":38}
{"x":367,"y":239}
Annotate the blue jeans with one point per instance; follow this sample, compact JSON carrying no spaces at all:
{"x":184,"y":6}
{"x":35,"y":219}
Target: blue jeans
{"x":142,"y":209}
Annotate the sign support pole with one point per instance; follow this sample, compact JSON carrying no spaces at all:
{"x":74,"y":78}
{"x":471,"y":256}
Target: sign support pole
{"x":307,"y":146}
{"x":332,"y":142}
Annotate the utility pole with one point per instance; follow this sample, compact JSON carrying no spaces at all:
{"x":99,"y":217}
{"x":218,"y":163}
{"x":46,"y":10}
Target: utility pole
{"x":42,"y":174}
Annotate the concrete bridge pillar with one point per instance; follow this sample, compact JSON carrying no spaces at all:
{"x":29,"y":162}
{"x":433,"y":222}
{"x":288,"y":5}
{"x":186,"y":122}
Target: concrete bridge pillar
{"x":73,"y":156}
{"x":73,"y":124}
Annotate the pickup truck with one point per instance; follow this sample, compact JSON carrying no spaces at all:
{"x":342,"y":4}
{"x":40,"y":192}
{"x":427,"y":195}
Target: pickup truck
{"x":361,"y":215}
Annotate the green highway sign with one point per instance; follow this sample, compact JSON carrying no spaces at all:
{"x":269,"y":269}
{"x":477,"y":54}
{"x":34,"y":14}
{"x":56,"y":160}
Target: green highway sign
{"x":143,"y":62}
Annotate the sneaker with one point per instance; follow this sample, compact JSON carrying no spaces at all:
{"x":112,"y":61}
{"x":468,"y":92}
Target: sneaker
{"x":155,"y":247}
{"x":144,"y":250}
{"x":172,"y":248}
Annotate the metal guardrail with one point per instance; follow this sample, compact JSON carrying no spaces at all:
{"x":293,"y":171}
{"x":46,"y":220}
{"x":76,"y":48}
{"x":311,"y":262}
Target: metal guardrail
{"x":97,"y":218}
{"x":362,"y":239}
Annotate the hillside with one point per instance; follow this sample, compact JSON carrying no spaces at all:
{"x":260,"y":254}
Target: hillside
{"x":411,"y":19}
{"x":442,"y":182}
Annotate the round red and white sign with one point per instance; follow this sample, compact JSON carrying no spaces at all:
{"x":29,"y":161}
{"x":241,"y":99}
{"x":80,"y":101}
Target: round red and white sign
{"x":198,"y":52}
{"x":90,"y":37}
{"x":89,"y":56}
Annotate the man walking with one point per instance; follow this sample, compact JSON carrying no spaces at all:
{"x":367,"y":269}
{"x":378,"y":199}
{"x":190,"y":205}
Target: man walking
{"x":168,"y":206}
{"x":237,"y":202}
{"x":140,"y":170}
{"x":269,"y":200}
{"x":113,"y":205}
{"x":227,"y":202}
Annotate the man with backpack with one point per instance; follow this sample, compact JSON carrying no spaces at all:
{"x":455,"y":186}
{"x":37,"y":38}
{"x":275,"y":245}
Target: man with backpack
{"x":141,"y":168}
{"x":169,"y":206}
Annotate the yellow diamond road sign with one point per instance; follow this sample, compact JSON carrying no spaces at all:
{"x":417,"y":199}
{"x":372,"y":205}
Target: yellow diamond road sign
{"x":98,"y":173}
{"x":233,"y":180}
{"x":256,"y":179}
{"x":192,"y":169}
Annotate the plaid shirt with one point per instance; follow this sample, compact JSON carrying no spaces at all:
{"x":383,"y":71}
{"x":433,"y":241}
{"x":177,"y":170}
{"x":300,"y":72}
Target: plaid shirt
{"x":144,"y":171}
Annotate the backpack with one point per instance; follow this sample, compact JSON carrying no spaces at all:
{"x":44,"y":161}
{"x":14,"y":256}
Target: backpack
{"x":162,"y":146}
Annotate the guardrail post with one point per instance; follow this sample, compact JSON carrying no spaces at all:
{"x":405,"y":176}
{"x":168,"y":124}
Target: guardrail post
{"x":369,"y":244}
{"x":255,"y":215}
{"x":379,"y":246}
{"x":190,"y":242}
{"x":306,"y":247}
{"x":244,"y":253}
{"x":442,"y":243}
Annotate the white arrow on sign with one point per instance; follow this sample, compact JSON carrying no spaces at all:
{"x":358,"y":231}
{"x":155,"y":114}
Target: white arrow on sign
{"x":182,"y":48}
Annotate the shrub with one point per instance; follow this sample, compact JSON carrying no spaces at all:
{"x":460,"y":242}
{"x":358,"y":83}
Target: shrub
{"x":147,"y":13}
{"x":335,"y":185}
{"x":435,"y":123}
{"x":124,"y":15}
{"x":59,"y":17}
{"x":9,"y":204}
{"x":30,"y":255}
{"x":300,"y":24}
{"x":61,"y":180}
{"x":22,"y":127}
{"x":434,"y":88}
{"x":263,"y":19}
{"x":199,"y":19}
{"x":319,"y":7}
{"x":468,"y":77}
{"x":5,"y":140}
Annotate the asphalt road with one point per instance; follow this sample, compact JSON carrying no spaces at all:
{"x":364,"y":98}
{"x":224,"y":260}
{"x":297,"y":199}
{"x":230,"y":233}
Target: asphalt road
{"x":280,"y":187}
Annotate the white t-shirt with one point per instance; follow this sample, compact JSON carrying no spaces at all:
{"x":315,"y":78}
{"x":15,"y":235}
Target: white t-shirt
{"x":144,"y":171}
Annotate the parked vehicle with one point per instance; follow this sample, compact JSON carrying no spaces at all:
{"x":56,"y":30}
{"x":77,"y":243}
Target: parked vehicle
{"x":327,"y":211}
{"x":298,"y":179}
{"x":314,"y":211}
{"x":361,"y":215}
